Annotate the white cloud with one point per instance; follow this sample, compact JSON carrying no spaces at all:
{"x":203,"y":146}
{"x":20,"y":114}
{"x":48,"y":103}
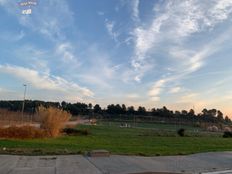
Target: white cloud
{"x":110,"y":26}
{"x":191,"y":60}
{"x":174,"y":22}
{"x":135,"y":9}
{"x":137,"y":73}
{"x":155,"y":99}
{"x":188,"y":62}
{"x":101,"y":72}
{"x":33,"y":57}
{"x":221,"y":10}
{"x":175,"y":90}
{"x":66,"y":52}
{"x":46,"y":81}
{"x":157,"y":88}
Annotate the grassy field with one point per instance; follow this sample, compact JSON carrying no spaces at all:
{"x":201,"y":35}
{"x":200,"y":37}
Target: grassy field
{"x":129,"y":141}
{"x":156,"y":126}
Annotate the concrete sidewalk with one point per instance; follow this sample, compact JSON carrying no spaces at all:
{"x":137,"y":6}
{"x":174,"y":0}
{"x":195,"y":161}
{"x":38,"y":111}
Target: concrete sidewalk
{"x":115,"y":164}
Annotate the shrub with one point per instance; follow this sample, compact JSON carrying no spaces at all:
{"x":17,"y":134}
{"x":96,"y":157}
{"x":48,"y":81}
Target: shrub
{"x":181,"y":132}
{"x":23,"y":132}
{"x":52,"y":119}
{"x":72,"y":131}
{"x":227,"y":134}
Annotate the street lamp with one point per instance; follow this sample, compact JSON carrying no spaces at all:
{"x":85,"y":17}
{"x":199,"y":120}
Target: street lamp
{"x":25,"y":89}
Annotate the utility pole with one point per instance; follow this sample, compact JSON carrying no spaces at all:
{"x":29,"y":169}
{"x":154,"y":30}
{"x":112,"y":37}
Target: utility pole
{"x":24,"y":96}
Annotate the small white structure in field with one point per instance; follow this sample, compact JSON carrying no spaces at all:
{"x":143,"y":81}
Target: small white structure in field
{"x":212,"y":129}
{"x":125,"y":125}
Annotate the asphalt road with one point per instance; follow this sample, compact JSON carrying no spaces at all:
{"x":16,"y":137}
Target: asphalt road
{"x":116,"y":164}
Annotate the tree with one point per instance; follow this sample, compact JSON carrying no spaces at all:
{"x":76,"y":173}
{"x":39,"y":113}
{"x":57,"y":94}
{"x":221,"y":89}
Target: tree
{"x":131,"y":110}
{"x":204,"y":112}
{"x":63,"y":104}
{"x":123,"y":109}
{"x":191,"y":113}
{"x":90,"y":106}
{"x":97,"y":109}
{"x":110,"y":109}
{"x":227,"y":120}
{"x":118,"y":109}
{"x":141,"y":110}
{"x":184,"y":112}
{"x":177,"y":113}
{"x":219,"y":115}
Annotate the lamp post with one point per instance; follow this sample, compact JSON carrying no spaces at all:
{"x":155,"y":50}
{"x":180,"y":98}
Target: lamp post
{"x":24,"y":96}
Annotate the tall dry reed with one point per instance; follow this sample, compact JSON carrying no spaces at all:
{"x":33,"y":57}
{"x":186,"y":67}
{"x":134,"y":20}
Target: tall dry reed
{"x":52,"y":119}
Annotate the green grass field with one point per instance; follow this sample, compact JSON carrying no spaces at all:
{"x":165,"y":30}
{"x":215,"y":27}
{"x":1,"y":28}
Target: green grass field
{"x":129,"y":141}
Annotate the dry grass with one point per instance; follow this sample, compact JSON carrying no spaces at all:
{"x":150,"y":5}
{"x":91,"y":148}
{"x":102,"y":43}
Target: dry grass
{"x":52,"y":120}
{"x":9,"y":117}
{"x":12,"y":118}
{"x":23,"y":132}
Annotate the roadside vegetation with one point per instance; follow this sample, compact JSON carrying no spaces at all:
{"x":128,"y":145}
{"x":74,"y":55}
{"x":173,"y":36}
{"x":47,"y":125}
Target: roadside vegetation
{"x":50,"y":124}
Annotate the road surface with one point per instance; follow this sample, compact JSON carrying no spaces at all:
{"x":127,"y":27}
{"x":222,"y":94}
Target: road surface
{"x":116,"y":164}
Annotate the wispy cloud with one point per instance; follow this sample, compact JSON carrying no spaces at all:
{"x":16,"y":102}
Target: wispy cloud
{"x":135,"y":9}
{"x":173,"y":23}
{"x":66,"y":53}
{"x":187,"y":63}
{"x":99,"y":71}
{"x":110,"y":26}
{"x":46,"y":81}
{"x":156,"y":89}
{"x":175,"y":90}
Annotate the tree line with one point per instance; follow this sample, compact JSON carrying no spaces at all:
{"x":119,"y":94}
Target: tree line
{"x":115,"y":111}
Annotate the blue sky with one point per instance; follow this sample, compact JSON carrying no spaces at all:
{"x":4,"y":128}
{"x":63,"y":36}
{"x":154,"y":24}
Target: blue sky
{"x":138,"y":52}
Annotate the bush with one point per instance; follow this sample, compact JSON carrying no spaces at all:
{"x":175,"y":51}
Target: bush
{"x":23,"y":132}
{"x":52,"y":120}
{"x":72,"y":131}
{"x":181,"y":132}
{"x":227,"y":134}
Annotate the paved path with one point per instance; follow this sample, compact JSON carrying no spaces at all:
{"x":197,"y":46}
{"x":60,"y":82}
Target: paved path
{"x":115,"y":164}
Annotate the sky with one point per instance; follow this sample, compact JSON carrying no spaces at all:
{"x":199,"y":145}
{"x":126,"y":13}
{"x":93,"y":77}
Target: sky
{"x":152,"y":53}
